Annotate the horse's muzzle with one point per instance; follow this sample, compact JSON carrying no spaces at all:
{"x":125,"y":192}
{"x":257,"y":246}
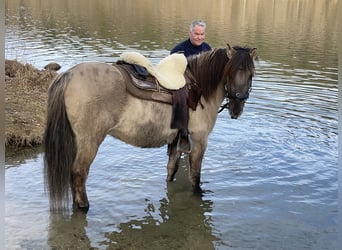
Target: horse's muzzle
{"x":236,"y":107}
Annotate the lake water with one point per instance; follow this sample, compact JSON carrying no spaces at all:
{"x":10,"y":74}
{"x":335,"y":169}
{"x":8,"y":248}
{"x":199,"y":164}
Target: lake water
{"x":269,"y":178}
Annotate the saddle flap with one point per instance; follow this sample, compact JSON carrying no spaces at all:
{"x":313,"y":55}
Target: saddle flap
{"x":141,"y":87}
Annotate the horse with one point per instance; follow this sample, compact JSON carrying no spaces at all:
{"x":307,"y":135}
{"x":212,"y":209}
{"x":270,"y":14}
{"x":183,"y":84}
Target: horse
{"x":90,"y":101}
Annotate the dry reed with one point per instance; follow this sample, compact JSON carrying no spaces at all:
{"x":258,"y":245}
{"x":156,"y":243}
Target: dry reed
{"x":25,"y":103}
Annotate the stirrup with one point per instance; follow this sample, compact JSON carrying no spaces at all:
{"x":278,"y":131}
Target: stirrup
{"x":190,"y":142}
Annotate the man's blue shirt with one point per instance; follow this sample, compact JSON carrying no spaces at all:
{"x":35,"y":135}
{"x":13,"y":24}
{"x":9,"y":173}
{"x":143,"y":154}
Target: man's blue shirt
{"x":188,"y":49}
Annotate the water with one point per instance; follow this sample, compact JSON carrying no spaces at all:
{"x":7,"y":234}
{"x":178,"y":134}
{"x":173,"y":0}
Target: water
{"x":269,"y":178}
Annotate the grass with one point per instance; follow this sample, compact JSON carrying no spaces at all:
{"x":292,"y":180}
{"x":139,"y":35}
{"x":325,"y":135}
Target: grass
{"x":25,"y":103}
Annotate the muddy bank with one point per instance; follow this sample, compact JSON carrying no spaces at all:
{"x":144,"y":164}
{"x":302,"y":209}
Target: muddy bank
{"x":25,"y":102}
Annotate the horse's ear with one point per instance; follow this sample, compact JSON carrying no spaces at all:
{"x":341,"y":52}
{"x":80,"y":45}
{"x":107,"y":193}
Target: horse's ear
{"x":230,"y":51}
{"x":253,"y":53}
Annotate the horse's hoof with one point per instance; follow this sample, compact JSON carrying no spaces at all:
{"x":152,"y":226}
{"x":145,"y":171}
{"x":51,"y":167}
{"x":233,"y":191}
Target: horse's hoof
{"x":170,"y":178}
{"x":197,"y":189}
{"x":84,"y":209}
{"x":81,"y":207}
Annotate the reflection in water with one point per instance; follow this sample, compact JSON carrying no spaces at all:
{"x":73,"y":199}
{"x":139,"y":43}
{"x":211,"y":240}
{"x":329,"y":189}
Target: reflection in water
{"x":17,"y":156}
{"x":183,"y":225}
{"x":68,"y":233}
{"x":181,"y":222}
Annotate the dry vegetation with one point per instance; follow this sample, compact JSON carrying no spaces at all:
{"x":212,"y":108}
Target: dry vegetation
{"x":25,"y":102}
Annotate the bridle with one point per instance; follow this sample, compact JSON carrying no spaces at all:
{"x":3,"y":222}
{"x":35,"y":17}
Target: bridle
{"x":230,"y":94}
{"x":237,"y":95}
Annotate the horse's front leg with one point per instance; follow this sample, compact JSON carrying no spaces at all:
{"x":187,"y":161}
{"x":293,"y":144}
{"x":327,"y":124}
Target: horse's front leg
{"x":195,"y":165}
{"x":174,"y":158}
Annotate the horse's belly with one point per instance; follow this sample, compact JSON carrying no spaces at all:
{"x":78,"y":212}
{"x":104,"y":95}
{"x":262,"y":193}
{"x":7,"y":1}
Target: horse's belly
{"x":145,"y":124}
{"x":147,"y":136}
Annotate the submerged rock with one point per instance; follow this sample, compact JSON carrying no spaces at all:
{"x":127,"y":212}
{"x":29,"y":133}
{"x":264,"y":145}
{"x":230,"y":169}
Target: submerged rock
{"x":52,"y":66}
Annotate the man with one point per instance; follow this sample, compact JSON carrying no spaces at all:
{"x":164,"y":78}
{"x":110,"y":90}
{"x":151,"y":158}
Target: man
{"x":195,"y":44}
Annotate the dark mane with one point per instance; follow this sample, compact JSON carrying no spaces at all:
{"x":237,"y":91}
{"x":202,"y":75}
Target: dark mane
{"x":211,"y":67}
{"x":208,"y":67}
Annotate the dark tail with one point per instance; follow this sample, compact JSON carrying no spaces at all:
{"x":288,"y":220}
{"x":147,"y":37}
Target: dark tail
{"x":59,"y":145}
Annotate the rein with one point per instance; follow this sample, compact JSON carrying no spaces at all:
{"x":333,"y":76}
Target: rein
{"x":224,"y":106}
{"x":230,"y":95}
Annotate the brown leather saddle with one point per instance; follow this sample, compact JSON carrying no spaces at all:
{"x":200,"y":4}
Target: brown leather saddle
{"x":143,"y":85}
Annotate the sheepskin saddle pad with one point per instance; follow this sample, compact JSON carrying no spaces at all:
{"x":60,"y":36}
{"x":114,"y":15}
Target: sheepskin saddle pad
{"x":169,"y":71}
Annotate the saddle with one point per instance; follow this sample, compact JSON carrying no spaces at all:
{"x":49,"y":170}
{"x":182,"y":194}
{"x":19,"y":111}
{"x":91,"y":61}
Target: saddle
{"x":169,"y":72}
{"x":183,"y":94}
{"x":143,"y":85}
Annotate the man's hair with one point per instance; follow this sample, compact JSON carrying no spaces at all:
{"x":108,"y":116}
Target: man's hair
{"x":197,"y":23}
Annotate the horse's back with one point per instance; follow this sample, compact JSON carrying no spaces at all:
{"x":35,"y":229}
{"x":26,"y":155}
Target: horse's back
{"x":94,"y":83}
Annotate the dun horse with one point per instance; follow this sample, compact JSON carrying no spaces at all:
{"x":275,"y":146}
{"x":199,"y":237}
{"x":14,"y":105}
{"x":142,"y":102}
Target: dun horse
{"x":90,"y":101}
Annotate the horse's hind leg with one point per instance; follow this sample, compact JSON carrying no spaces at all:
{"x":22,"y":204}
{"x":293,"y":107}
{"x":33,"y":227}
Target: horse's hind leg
{"x":86,"y":153}
{"x":173,"y":163}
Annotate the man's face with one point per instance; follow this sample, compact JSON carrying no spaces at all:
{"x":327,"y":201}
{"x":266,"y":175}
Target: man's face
{"x":197,"y":35}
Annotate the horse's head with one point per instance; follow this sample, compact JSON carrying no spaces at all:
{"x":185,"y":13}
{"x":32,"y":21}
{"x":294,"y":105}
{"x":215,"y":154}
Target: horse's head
{"x":239,"y":72}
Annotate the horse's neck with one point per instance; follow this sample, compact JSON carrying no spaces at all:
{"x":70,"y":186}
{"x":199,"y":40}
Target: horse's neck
{"x":217,"y":96}
{"x":208,"y":68}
